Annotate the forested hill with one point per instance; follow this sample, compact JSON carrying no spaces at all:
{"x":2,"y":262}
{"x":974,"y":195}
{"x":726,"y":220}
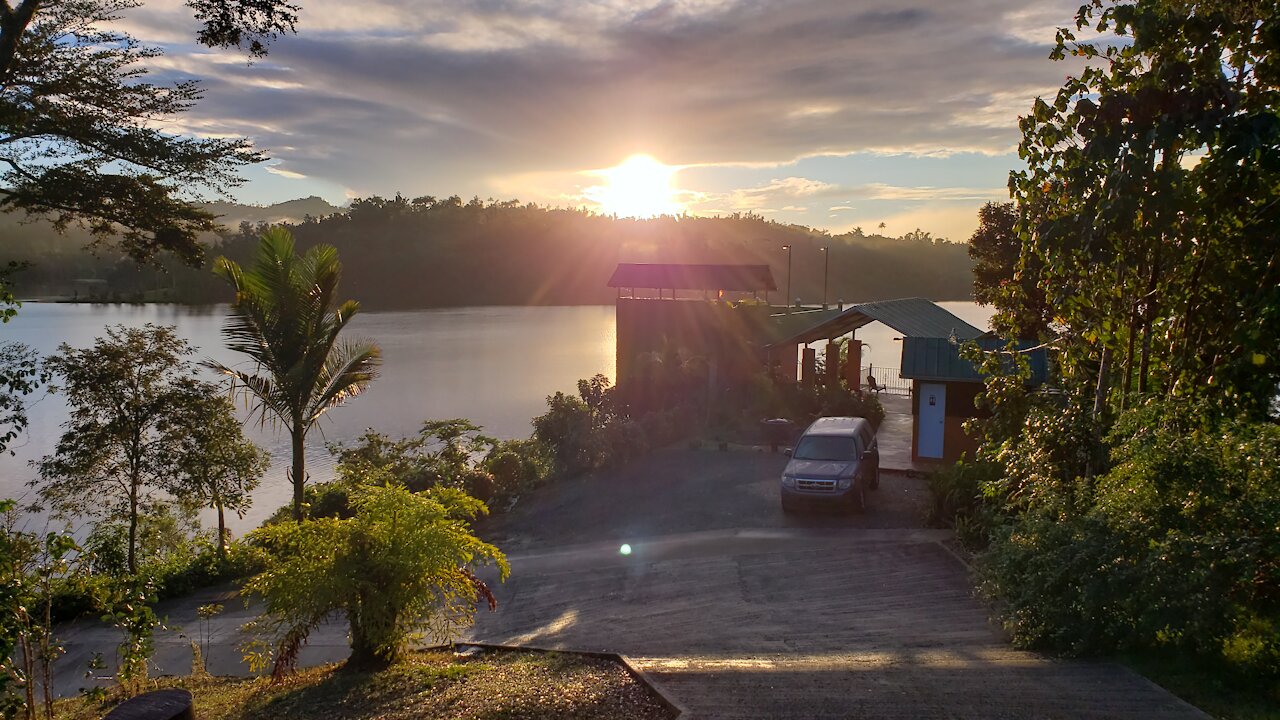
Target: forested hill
{"x":399,"y":253}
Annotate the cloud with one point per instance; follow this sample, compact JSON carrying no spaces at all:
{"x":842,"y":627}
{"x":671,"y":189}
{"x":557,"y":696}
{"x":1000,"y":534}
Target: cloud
{"x":277,"y":170}
{"x":431,"y":96}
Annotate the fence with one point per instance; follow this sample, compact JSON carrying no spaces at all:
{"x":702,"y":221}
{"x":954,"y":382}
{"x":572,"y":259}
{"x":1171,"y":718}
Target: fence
{"x":887,"y":378}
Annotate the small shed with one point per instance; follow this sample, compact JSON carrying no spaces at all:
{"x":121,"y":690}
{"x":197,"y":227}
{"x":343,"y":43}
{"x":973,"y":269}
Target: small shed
{"x":944,"y":387}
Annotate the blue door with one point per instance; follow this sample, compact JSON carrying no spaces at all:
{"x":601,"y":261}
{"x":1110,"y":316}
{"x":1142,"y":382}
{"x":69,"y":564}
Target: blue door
{"x":932,"y":418}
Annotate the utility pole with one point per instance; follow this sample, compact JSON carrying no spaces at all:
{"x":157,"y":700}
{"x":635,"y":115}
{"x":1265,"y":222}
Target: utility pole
{"x":788,"y":296}
{"x":826,"y":265}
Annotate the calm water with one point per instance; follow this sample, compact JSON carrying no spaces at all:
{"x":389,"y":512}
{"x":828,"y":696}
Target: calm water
{"x":494,"y":365}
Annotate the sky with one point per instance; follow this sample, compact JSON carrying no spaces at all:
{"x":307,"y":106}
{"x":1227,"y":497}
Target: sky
{"x":829,"y":113}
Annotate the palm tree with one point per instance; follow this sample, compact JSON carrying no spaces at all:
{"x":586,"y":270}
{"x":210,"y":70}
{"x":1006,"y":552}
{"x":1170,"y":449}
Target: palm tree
{"x":284,"y":320}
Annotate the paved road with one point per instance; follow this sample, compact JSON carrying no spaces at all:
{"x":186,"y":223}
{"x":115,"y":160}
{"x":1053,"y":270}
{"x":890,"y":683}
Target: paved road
{"x":740,"y":611}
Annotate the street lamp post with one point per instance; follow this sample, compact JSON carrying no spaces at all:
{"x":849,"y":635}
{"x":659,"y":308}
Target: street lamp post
{"x":788,"y":295}
{"x":826,"y":265}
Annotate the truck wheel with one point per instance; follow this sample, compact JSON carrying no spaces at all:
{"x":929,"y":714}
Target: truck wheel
{"x":858,"y":498}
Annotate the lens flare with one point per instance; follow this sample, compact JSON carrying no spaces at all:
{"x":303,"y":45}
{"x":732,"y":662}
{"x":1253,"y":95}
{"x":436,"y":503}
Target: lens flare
{"x":625,"y":549}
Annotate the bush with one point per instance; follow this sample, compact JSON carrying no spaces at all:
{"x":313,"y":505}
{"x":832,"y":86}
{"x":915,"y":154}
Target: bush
{"x":1175,"y":547}
{"x":568,"y":430}
{"x":516,"y":465}
{"x":958,"y":500}
{"x":400,"y":568}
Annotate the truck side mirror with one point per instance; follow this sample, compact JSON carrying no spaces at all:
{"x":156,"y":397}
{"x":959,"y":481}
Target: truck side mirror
{"x":786,"y":451}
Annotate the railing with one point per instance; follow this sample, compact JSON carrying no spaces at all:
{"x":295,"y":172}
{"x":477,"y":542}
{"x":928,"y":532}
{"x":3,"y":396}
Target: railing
{"x":886,"y":379}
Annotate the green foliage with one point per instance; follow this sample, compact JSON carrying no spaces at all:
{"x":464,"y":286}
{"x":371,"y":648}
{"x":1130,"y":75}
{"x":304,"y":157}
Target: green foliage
{"x":568,"y":428}
{"x":218,"y":467}
{"x":1151,"y":202}
{"x":85,"y":134}
{"x":1174,"y":548}
{"x":129,"y":396}
{"x":801,"y":404}
{"x":996,"y":249}
{"x":399,"y":568}
{"x":284,"y":318}
{"x":32,"y":565}
{"x":960,"y":500}
{"x":502,"y":253}
{"x":126,"y":604}
{"x":21,"y":373}
{"x":1132,"y":505}
{"x":517,"y":465}
{"x":445,"y":453}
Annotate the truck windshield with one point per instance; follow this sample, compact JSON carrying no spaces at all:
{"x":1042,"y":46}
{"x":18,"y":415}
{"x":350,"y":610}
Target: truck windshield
{"x":826,"y":447}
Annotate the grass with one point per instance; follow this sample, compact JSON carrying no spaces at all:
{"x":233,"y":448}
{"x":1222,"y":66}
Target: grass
{"x":1214,"y":687}
{"x":431,"y":684}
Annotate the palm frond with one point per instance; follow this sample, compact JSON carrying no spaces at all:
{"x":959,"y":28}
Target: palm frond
{"x":347,"y":372}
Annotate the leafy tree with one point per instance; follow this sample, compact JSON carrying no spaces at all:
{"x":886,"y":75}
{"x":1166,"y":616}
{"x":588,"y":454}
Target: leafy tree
{"x":81,"y":128}
{"x":997,"y":278}
{"x":402,"y":567}
{"x":123,"y":441}
{"x":1134,"y":508}
{"x":284,"y":319}
{"x":1151,"y":200}
{"x":20,"y":375}
{"x":217,"y":466}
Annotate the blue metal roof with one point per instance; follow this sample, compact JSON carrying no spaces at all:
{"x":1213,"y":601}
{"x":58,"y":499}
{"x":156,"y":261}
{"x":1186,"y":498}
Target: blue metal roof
{"x":936,"y":358}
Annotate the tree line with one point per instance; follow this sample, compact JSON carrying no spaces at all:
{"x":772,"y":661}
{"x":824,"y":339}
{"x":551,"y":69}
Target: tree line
{"x":439,"y":252}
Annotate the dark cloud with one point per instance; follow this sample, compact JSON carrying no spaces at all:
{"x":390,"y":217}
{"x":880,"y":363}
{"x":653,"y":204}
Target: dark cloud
{"x":433,"y":95}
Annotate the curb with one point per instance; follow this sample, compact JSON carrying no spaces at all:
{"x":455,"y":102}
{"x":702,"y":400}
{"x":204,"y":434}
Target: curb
{"x":664,"y":696}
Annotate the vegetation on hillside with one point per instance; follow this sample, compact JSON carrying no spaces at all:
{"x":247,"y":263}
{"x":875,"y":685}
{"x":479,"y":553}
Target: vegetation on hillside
{"x":506,"y":253}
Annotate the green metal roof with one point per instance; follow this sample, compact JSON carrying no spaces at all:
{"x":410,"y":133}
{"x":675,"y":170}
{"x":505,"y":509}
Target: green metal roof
{"x":913,"y":317}
{"x":936,"y":358}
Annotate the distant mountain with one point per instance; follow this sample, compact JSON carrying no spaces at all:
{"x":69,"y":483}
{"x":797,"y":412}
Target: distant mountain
{"x":289,"y":211}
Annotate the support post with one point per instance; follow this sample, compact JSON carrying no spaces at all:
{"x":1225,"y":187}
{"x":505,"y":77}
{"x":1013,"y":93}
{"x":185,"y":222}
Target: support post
{"x":853,"y":365}
{"x":809,"y":367}
{"x":832,"y":365}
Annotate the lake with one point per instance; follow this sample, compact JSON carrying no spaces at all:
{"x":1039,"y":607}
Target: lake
{"x":493,"y":365}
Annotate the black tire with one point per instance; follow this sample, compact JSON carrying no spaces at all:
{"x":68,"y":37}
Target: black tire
{"x":858,"y":498}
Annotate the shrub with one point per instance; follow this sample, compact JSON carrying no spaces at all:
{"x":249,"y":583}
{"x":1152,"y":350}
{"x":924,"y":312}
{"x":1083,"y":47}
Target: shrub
{"x":400,"y":568}
{"x":1175,"y":547}
{"x":568,"y":430}
{"x":958,"y":500}
{"x":516,"y":465}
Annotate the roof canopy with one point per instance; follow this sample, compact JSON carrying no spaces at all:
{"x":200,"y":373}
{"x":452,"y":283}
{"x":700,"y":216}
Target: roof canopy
{"x":913,"y":317}
{"x":939,"y":360}
{"x":664,"y":276}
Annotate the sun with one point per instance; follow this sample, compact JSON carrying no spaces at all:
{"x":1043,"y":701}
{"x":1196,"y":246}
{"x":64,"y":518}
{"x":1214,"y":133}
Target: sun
{"x":639,"y":187}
